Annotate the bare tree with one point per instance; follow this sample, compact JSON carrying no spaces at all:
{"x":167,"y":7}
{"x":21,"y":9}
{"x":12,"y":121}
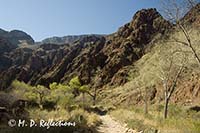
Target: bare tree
{"x":146,"y":101}
{"x":95,"y":91}
{"x":192,"y":3}
{"x":93,"y":95}
{"x":174,"y":11}
{"x":143,"y":89}
{"x":170,"y":74}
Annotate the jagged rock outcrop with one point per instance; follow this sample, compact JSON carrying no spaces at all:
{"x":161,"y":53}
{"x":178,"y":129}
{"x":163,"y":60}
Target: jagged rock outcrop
{"x":5,"y":45}
{"x":104,"y":57}
{"x":128,"y":43}
{"x":193,"y":16}
{"x":65,"y":39}
{"x":82,"y":59}
{"x":9,"y":41}
{"x":16,"y":37}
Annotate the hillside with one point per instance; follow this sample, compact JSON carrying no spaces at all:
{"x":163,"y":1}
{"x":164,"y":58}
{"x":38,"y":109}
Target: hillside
{"x":65,"y":39}
{"x":192,"y":17}
{"x":147,"y":72}
{"x":111,"y":54}
{"x":147,"y":67}
{"x":16,"y":37}
{"x":109,"y":59}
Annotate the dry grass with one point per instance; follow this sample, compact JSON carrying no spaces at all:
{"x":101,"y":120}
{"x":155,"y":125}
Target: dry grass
{"x":38,"y":114}
{"x":79,"y":116}
{"x":133,"y":120}
{"x":82,"y":117}
{"x":148,"y":70}
{"x":179,"y":120}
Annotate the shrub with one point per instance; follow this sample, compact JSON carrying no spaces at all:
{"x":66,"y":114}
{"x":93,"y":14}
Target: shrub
{"x":84,"y":118}
{"x":93,"y":120}
{"x":61,"y":95}
{"x":136,"y":124}
{"x":38,"y":114}
{"x":36,"y":94}
{"x":79,"y":116}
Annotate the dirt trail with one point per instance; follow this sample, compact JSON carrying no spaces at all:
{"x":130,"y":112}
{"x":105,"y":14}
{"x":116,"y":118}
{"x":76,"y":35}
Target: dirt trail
{"x":109,"y":125}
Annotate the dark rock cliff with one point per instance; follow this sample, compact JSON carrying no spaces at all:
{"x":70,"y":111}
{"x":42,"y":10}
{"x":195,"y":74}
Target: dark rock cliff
{"x":106,"y":58}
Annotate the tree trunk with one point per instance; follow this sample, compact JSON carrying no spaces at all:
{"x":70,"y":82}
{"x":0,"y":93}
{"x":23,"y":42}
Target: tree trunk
{"x":83,"y":100}
{"x":94,"y":97}
{"x":146,"y":102}
{"x":146,"y":107}
{"x":166,"y":107}
{"x":41,"y":101}
{"x":186,"y":34}
{"x":195,"y":54}
{"x":94,"y":100}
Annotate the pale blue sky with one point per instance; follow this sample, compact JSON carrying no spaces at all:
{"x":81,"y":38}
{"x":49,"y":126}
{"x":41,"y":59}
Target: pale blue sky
{"x":46,"y":18}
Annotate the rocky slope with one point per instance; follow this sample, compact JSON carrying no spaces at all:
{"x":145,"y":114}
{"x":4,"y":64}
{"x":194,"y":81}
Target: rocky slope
{"x":148,"y":71}
{"x":193,"y":16}
{"x":107,"y":59}
{"x":64,"y":39}
{"x":5,"y":46}
{"x":104,"y":58}
{"x":16,"y":37}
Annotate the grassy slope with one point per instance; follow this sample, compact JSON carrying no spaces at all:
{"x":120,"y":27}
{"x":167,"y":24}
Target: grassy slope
{"x":146,"y":73}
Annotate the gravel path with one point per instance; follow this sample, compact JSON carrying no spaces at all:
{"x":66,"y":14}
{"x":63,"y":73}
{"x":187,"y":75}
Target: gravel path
{"x":109,"y":125}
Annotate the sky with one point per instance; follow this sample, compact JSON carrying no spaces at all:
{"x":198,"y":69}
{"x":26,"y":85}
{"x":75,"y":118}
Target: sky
{"x":47,"y":18}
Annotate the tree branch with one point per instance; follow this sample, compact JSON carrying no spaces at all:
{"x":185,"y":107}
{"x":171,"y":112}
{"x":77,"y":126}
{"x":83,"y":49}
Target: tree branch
{"x":172,"y":88}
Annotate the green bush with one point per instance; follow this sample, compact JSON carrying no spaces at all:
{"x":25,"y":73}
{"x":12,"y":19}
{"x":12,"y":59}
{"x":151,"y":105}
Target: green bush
{"x":36,"y":94}
{"x":61,"y":95}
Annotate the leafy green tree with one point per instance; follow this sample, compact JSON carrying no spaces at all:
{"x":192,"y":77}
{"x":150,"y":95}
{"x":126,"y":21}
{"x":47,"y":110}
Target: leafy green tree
{"x":75,"y":82}
{"x":41,"y":92}
{"x":75,"y":85}
{"x":78,"y":89}
{"x":53,"y":86}
{"x":23,"y":90}
{"x":61,"y":95}
{"x":36,"y":94}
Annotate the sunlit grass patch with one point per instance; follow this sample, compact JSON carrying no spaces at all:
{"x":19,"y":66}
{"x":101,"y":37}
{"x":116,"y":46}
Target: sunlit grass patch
{"x":179,"y":120}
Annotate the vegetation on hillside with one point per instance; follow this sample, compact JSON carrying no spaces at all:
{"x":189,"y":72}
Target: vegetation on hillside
{"x":145,"y":75}
{"x":145,"y":88}
{"x":58,"y":102}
